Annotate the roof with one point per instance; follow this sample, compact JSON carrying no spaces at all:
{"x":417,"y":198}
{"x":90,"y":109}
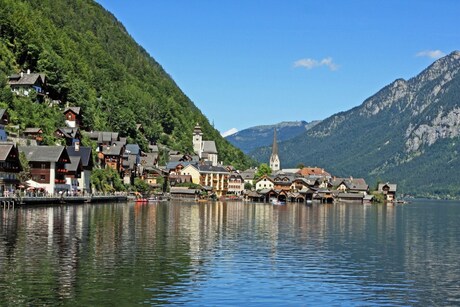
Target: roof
{"x":84,"y":153}
{"x":209,"y":147}
{"x":42,"y":153}
{"x":248,"y":174}
{"x":132,"y":149}
{"x":205,"y":168}
{"x":149,"y":159}
{"x":113,"y":150}
{"x":102,"y":136}
{"x":26,"y":79}
{"x":2,"y":112}
{"x":173,"y":165}
{"x":351,"y":195}
{"x":182,"y":190}
{"x":5,"y":150}
{"x":153,"y":148}
{"x":68,"y":132}
{"x":74,"y":164}
{"x":307,"y":171}
{"x":197,"y":129}
{"x":392,"y":187}
{"x":266,"y":177}
{"x":33,"y":130}
{"x":75,"y":110}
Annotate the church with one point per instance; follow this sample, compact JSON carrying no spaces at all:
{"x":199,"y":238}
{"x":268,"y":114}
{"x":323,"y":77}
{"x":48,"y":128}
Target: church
{"x":275,"y":163}
{"x":206,"y":150}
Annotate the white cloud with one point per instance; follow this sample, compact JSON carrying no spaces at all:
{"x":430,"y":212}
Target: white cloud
{"x":312,"y":63}
{"x":434,"y":54}
{"x":229,"y":132}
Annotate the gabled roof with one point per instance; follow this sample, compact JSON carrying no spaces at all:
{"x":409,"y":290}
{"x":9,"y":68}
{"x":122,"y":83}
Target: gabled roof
{"x":265,"y":177}
{"x":149,"y":159}
{"x":209,"y":147}
{"x":74,"y":165}
{"x":43,"y":153}
{"x":248,"y":174}
{"x":84,"y":153}
{"x":173,"y":165}
{"x":75,"y":110}
{"x":68,"y":132}
{"x":26,"y":79}
{"x":392,"y":187}
{"x":33,"y":130}
{"x":5,"y":150}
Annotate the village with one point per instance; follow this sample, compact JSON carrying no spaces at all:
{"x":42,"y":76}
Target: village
{"x":198,"y":176}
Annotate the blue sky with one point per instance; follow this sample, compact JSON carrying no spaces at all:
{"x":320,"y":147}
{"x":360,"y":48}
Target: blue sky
{"x":255,"y":62}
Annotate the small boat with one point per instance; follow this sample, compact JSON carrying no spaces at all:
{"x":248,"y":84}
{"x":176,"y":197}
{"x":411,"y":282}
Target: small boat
{"x":141,"y":200}
{"x":277,"y":202}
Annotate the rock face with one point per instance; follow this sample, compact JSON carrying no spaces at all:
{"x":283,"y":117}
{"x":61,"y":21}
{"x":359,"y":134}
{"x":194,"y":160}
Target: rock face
{"x":407,"y":132}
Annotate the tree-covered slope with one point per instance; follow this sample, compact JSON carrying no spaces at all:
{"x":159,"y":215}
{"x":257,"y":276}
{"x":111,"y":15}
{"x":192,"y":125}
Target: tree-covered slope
{"x":407,"y":133}
{"x":91,"y":61}
{"x":254,"y":137}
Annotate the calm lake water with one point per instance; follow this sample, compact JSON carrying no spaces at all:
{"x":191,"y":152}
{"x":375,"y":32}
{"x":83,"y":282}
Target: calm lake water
{"x":231,"y":254}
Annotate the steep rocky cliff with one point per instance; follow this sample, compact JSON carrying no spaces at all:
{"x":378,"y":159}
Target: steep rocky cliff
{"x":408,"y":133}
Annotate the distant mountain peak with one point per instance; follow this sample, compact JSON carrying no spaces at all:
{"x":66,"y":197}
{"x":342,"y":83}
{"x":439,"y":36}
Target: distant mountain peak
{"x":408,"y":132}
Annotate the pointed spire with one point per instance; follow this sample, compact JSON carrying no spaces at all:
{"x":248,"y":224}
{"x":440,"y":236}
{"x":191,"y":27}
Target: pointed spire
{"x":275,"y":144}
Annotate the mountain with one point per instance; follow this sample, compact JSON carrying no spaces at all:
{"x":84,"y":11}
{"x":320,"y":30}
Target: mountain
{"x":91,"y":61}
{"x":407,"y":133}
{"x":251,"y":138}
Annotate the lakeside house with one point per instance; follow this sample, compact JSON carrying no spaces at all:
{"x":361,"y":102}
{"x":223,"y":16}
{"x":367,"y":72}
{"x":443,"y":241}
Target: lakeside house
{"x":388,"y":190}
{"x":48,"y":166}
{"x":10,"y":166}
{"x":85,"y":156}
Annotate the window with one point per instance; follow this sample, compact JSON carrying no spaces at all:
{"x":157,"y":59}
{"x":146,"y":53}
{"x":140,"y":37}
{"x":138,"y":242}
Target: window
{"x":43,"y":166}
{"x":42,"y":177}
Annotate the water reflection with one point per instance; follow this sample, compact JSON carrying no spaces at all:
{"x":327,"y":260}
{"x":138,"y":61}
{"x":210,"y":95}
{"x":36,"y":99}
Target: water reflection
{"x":230,"y":253}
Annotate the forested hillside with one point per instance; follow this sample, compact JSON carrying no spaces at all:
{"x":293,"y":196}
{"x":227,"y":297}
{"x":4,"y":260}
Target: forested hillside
{"x":259,"y":136}
{"x":407,"y":133}
{"x":91,"y":61}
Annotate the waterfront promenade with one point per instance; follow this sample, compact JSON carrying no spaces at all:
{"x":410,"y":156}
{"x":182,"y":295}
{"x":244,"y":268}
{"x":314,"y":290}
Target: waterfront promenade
{"x":8,"y":202}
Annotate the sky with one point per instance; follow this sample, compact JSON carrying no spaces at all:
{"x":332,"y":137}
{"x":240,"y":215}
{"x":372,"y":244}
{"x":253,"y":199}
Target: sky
{"x":257,"y":62}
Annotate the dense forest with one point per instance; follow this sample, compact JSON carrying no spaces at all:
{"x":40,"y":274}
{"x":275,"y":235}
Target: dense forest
{"x":92,"y":62}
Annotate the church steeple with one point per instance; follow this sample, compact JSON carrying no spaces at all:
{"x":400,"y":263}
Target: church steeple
{"x":274,"y":159}
{"x":197,"y":140}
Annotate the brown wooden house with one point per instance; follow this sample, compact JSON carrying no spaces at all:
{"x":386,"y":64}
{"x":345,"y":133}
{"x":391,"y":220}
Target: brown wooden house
{"x":10,"y":166}
{"x":73,"y":117}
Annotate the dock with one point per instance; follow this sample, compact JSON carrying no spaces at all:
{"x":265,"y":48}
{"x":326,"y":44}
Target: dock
{"x":11,"y":202}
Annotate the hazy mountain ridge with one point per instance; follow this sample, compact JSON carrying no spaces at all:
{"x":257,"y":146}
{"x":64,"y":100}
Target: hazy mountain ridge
{"x":406,"y":133}
{"x":258,"y":136}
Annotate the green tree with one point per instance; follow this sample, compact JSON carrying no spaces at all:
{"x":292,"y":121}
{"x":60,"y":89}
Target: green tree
{"x":24,"y":175}
{"x":263,"y":169}
{"x":247,"y":186}
{"x":141,"y":186}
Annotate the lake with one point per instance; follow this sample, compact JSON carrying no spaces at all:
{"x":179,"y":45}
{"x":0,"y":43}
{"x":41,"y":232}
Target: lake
{"x":231,"y":254}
